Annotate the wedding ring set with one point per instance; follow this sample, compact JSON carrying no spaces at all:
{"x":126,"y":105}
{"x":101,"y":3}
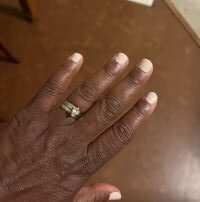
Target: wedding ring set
{"x":71,"y":109}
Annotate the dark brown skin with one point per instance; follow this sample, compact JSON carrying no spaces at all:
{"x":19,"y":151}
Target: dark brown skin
{"x":45,"y":155}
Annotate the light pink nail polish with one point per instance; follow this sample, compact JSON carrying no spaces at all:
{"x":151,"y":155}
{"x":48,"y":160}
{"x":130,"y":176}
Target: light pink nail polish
{"x":76,"y":57}
{"x":115,"y":196}
{"x":145,"y":65}
{"x":151,"y":98}
{"x":121,"y":58}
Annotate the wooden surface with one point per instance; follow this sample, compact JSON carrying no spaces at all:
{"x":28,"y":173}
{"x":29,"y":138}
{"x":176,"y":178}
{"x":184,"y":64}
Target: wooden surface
{"x":162,"y":163}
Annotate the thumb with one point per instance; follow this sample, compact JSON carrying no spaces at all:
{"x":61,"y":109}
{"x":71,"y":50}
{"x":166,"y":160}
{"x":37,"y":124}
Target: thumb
{"x":100,"y":192}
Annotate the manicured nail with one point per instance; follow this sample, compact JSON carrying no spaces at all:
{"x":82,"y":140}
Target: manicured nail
{"x":145,"y":65}
{"x":151,"y":98}
{"x":115,"y":196}
{"x":76,"y":57}
{"x":121,"y":58}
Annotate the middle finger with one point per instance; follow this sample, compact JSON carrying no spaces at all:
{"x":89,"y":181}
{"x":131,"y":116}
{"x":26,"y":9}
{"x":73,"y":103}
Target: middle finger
{"x":85,"y":95}
{"x":115,"y":103}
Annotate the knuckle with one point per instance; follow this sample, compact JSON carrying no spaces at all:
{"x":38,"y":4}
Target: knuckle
{"x":88,"y":92}
{"x":122,"y":132}
{"x":23,"y":118}
{"x":109,"y":107}
{"x":133,"y":80}
{"x":53,"y":88}
{"x":92,"y":159}
{"x":139,"y":112}
{"x":108,"y":70}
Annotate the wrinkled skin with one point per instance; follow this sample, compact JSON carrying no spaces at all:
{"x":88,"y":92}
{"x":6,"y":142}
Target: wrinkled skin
{"x":45,"y":155}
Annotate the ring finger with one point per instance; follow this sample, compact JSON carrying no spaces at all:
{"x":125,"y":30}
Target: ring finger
{"x":116,"y":102}
{"x":85,"y":95}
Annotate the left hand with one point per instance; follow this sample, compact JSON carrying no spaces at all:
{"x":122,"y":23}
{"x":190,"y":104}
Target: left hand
{"x":46,"y":155}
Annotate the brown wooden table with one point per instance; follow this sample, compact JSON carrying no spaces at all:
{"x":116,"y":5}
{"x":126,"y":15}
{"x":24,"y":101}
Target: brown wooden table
{"x":162,"y":163}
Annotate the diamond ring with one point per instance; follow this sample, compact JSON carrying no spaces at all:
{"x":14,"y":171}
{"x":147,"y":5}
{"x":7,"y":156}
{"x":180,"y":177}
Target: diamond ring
{"x":71,"y":109}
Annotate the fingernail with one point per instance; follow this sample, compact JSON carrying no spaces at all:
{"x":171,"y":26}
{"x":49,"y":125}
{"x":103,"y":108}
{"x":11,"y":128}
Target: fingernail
{"x":151,"y":98}
{"x":121,"y":58}
{"x":145,"y":65}
{"x":76,"y":57}
{"x":115,"y":196}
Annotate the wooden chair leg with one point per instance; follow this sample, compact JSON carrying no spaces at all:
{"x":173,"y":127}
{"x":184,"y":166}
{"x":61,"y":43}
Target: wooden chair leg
{"x":8,"y":55}
{"x":27,"y":7}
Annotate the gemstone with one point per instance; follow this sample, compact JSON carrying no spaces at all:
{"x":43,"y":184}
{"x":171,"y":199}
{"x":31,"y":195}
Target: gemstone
{"x":75,"y":112}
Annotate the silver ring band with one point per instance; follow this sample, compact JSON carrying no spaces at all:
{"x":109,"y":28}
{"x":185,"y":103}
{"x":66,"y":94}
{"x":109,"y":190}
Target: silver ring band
{"x":71,"y":109}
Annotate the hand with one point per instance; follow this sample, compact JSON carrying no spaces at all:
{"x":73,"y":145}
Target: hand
{"x":46,"y":155}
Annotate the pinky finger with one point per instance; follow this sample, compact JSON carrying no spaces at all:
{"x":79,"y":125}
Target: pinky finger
{"x":117,"y":136}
